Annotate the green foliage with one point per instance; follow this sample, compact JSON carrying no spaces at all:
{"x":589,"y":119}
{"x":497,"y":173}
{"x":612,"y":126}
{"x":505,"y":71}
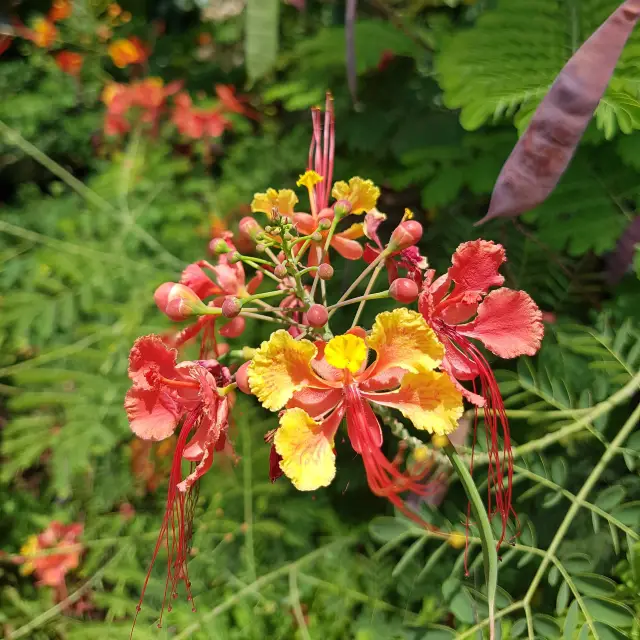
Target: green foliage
{"x":85,"y":237}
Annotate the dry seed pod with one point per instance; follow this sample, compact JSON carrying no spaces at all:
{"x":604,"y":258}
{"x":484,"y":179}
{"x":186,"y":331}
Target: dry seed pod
{"x":543,"y":152}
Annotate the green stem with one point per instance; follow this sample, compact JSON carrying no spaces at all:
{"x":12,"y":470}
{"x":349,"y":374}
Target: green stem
{"x":489,"y":551}
{"x":327,"y":242}
{"x":367,"y":291}
{"x":372,"y":296}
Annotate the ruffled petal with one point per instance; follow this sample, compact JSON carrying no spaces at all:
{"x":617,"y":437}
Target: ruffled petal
{"x":283,"y":200}
{"x":509,"y":324}
{"x":354,"y":232}
{"x":306,"y":448}
{"x":153,"y":414}
{"x":429,"y":399}
{"x":362,"y":194}
{"x":475,"y":266}
{"x":349,"y":249}
{"x":150,"y":353}
{"x":372,"y":222}
{"x":280,"y":367}
{"x":383,"y":381}
{"x":402,"y":338}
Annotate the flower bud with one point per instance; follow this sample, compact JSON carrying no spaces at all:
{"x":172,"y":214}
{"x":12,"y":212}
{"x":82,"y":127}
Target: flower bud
{"x":177,"y":301}
{"x":242,"y":378}
{"x":231,"y":307}
{"x":406,"y":234}
{"x":324,"y":224}
{"x":342,"y":208}
{"x":327,"y":214}
{"x":317,"y":316}
{"x":325,"y":271}
{"x":219,"y":246}
{"x":280,"y":271}
{"x":403,"y":290}
{"x":288,"y":237}
{"x":249,"y":227}
{"x":269,"y":229}
{"x":316,"y":237}
{"x":261,"y":248}
{"x":234,"y":257}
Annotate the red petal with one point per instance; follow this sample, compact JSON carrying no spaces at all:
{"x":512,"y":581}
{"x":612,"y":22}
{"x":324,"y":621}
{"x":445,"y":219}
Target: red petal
{"x":315,"y":402}
{"x":305,"y":223}
{"x":199,"y":282}
{"x":475,"y":266}
{"x":254,"y":283}
{"x":153,"y":414}
{"x":349,"y":249}
{"x":151,"y":353}
{"x":508,"y":323}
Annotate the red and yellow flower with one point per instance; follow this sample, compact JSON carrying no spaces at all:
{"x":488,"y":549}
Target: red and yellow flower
{"x":69,"y":61}
{"x":43,"y":34}
{"x":60,"y":10}
{"x":51,"y":568}
{"x":320,"y":383}
{"x":127,"y":51}
{"x":459,"y":307}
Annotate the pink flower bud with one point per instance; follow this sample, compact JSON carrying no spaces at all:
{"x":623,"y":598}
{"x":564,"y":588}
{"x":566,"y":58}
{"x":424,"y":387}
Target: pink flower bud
{"x":325,"y":271}
{"x":316,"y":237}
{"x":233,"y":258}
{"x":231,"y":307}
{"x":177,"y":301}
{"x":324,"y":224}
{"x":326,"y":214}
{"x":317,"y":316}
{"x":342,"y":208}
{"x":280,"y":271}
{"x":249,"y":227}
{"x":406,"y":234}
{"x":403,"y":290}
{"x":242,"y":378}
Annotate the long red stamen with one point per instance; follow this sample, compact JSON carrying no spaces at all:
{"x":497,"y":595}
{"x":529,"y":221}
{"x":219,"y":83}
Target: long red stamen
{"x":179,"y":384}
{"x":384,"y":477}
{"x":177,"y":526}
{"x":500,"y":463}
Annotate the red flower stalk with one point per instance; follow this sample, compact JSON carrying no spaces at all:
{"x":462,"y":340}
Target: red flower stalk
{"x":407,"y":258}
{"x":459,"y":308}
{"x":164,"y":394}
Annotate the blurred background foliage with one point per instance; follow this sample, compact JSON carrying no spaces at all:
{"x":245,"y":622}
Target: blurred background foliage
{"x":429,"y":102}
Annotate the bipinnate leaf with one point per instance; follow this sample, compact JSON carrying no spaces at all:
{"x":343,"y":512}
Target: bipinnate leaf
{"x":543,"y":153}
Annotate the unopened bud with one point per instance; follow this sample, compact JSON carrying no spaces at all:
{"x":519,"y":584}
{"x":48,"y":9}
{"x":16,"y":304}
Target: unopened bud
{"x":406,"y":234}
{"x":324,"y":224}
{"x":250,"y":227}
{"x":178,"y":302}
{"x":317,"y":316}
{"x":342,"y":208}
{"x":234,"y":258}
{"x":261,"y":248}
{"x":219,"y":246}
{"x":316,"y":237}
{"x":325,"y":271}
{"x":327,"y":214}
{"x":242,"y":378}
{"x":268,"y":229}
{"x":404,"y":290}
{"x":280,"y":271}
{"x":231,"y":307}
{"x":288,"y":237}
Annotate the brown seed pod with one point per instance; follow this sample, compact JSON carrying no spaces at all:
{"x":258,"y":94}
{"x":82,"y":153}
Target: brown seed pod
{"x":545,"y":149}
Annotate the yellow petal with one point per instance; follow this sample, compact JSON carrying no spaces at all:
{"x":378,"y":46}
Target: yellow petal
{"x":280,"y":367}
{"x":346,"y":352}
{"x":309,"y":179}
{"x":429,"y":399}
{"x":306,"y":450}
{"x":403,"y":339}
{"x":284,"y":201}
{"x":354,"y":232}
{"x":362,"y":194}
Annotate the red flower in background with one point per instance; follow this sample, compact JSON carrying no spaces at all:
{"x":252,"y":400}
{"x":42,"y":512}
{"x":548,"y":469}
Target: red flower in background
{"x":5,"y":43}
{"x":60,"y":10}
{"x":69,"y":61}
{"x":197,"y":123}
{"x":127,"y":51}
{"x":460,"y":308}
{"x":164,"y":394}
{"x":50,"y":569}
{"x":43,"y":34}
{"x":234,"y":104}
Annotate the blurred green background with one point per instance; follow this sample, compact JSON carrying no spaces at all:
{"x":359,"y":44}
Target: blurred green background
{"x":429,"y":102}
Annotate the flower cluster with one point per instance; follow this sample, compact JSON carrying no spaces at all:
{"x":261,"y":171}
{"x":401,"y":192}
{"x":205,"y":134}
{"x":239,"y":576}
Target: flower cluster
{"x":51,"y":554}
{"x":414,"y":361}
